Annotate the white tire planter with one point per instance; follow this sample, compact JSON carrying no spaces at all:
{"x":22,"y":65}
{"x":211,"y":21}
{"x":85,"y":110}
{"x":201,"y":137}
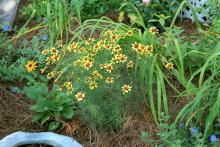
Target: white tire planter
{"x":47,"y":138}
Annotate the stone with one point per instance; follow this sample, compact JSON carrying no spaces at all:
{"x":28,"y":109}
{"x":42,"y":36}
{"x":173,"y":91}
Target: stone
{"x":47,"y":138}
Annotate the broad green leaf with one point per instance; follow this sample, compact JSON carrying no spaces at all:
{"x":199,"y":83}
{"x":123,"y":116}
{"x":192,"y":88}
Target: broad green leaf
{"x":54,"y":125}
{"x":67,"y":113}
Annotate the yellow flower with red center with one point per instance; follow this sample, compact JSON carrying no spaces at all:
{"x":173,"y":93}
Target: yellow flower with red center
{"x":119,"y":58}
{"x":109,"y":80}
{"x":50,"y":75}
{"x":60,"y":43}
{"x":147,"y":50}
{"x":108,"y":46}
{"x":68,"y":86}
{"x":93,"y":85}
{"x":80,"y":96}
{"x":94,"y":53}
{"x":129,"y":33}
{"x":130,"y":64}
{"x":54,"y":51}
{"x":87,"y":62}
{"x":135,"y":46}
{"x":102,"y":43}
{"x":96,"y":74}
{"x":114,"y":37}
{"x":74,"y":47}
{"x":114,"y":60}
{"x":116,"y":49}
{"x":169,"y":66}
{"x":153,"y":30}
{"x":142,"y":50}
{"x":123,"y":36}
{"x":44,"y":52}
{"x":126,"y":88}
{"x":77,"y":62}
{"x":49,"y":61}
{"x":87,"y":65}
{"x":89,"y":41}
{"x":123,"y":58}
{"x":109,"y":32}
{"x":31,"y":66}
{"x":109,"y":67}
{"x":55,"y":58}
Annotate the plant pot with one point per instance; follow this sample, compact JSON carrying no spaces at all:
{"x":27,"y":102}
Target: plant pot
{"x":47,"y":138}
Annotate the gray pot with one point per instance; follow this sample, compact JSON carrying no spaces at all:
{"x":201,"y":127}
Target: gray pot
{"x":47,"y":138}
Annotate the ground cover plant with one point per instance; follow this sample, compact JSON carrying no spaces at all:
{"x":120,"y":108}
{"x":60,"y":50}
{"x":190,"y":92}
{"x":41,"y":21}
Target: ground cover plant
{"x":101,"y":72}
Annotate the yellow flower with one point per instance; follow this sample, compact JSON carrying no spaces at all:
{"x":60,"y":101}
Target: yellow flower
{"x":50,"y":75}
{"x":135,"y":46}
{"x":54,"y":51}
{"x":121,"y":16}
{"x":87,"y":62}
{"x":129,"y":33}
{"x":96,"y":74}
{"x":93,"y":85}
{"x":108,"y":46}
{"x":68,"y":86}
{"x":116,"y":49}
{"x":109,"y":67}
{"x":126,"y":88}
{"x":77,"y":62}
{"x":44,"y":52}
{"x":123,"y":58}
{"x":153,"y":30}
{"x":31,"y":66}
{"x":109,"y":80}
{"x":74,"y":47}
{"x":60,"y":43}
{"x":142,"y":49}
{"x":55,"y":58}
{"x":114,"y":37}
{"x":87,"y":65}
{"x":89,"y":41}
{"x":130,"y":64}
{"x":80,"y":96}
{"x":169,"y":66}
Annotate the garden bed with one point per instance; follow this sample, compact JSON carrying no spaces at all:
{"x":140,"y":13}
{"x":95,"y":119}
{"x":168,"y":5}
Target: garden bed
{"x":111,"y":82}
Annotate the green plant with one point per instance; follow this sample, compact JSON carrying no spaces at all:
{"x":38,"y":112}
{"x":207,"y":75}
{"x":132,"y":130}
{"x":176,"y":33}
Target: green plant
{"x":181,"y":136}
{"x":51,"y":106}
{"x":94,"y":8}
{"x":13,"y":60}
{"x":151,"y":11}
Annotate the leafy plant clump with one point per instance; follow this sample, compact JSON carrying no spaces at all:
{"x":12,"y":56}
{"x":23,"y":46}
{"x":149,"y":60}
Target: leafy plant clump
{"x":51,"y":106}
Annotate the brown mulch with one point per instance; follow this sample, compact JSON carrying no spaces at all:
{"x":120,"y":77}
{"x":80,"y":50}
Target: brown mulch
{"x":16,"y":116}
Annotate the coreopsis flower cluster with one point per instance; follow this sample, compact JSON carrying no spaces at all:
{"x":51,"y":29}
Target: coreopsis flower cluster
{"x":96,"y":63}
{"x":143,"y":50}
{"x":74,"y":47}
